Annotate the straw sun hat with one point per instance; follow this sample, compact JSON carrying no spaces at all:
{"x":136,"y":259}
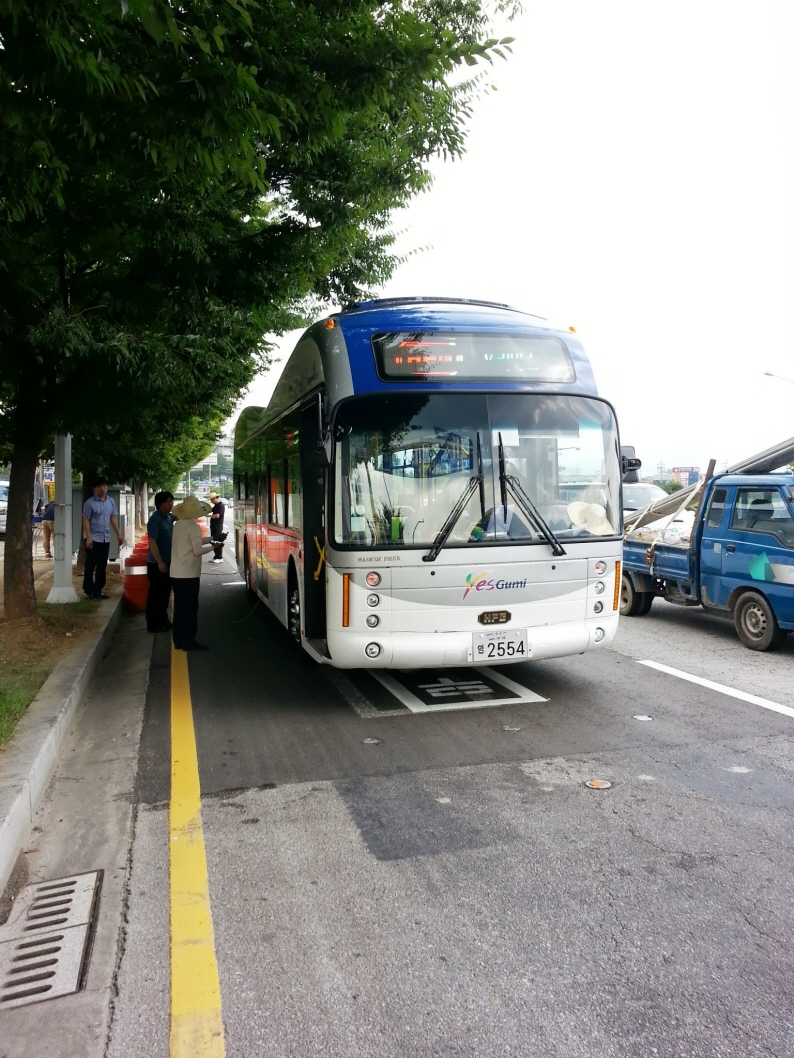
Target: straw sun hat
{"x":191,"y":507}
{"x":592,"y":516}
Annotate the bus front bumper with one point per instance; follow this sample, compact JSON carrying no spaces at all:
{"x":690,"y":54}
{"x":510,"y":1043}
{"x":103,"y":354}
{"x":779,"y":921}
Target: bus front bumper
{"x":426,"y":650}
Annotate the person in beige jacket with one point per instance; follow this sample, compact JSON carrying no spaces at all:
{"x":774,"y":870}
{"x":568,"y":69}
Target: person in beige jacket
{"x":187,"y":547}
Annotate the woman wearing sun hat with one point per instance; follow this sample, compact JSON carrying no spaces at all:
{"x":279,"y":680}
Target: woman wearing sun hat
{"x":187,"y":547}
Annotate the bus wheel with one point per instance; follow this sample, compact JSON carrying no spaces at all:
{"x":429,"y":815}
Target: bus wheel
{"x":247,"y":571}
{"x":756,"y":624}
{"x":294,"y":608}
{"x":633,"y":603}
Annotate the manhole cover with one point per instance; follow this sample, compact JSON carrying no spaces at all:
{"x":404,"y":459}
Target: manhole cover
{"x":45,"y":945}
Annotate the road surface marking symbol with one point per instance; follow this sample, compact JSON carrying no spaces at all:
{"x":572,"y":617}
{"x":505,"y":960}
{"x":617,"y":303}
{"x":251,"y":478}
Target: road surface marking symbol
{"x":442,"y":688}
{"x":196,"y":1025}
{"x":752,"y":698}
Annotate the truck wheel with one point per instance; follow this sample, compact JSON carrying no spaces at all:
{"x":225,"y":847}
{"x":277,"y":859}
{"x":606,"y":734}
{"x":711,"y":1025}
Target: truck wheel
{"x":631,"y":600}
{"x":646,"y":602}
{"x":756,"y":623}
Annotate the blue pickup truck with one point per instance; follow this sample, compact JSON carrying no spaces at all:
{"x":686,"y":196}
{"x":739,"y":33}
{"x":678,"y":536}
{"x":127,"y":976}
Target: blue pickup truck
{"x":738,"y":563}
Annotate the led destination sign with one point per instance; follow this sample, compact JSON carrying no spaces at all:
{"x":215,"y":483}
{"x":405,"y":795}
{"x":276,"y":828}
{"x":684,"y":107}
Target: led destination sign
{"x":430,"y":355}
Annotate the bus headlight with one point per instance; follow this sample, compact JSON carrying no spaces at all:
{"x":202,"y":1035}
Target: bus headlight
{"x":598,"y":587}
{"x":600,"y":567}
{"x":599,"y":635}
{"x":373,"y":579}
{"x":373,"y":620}
{"x":599,"y":606}
{"x":373,"y":600}
{"x":372,"y":650}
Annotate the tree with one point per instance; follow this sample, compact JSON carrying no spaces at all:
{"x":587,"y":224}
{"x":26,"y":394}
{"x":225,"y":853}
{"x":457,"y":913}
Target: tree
{"x":671,"y":486}
{"x":179,"y":181}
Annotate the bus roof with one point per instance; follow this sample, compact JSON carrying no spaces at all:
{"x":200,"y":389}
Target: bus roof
{"x":337,"y":353}
{"x":360,"y":321}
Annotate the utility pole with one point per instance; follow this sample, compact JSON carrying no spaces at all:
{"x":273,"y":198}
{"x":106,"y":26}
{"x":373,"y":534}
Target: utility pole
{"x":62,"y":589}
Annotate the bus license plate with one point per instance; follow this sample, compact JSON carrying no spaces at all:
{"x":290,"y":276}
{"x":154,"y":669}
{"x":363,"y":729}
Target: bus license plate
{"x":501,"y":645}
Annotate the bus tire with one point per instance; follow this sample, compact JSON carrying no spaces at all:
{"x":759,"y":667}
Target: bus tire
{"x":247,"y":571}
{"x":631,"y":600}
{"x":756,"y":623}
{"x":294,"y":607}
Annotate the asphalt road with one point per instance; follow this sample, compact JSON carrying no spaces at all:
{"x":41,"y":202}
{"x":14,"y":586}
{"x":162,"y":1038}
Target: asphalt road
{"x":454,"y":888}
{"x":385,"y":882}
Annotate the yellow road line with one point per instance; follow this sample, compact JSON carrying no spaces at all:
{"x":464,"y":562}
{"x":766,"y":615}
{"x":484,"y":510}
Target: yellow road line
{"x":196,"y":1025}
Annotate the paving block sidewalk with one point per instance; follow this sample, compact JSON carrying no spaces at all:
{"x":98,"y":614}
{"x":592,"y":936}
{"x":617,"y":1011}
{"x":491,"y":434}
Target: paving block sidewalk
{"x":29,"y":759}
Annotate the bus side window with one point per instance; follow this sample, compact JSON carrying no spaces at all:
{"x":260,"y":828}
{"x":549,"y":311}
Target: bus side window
{"x":276,"y":505}
{"x":294,"y":496}
{"x":716,"y":507}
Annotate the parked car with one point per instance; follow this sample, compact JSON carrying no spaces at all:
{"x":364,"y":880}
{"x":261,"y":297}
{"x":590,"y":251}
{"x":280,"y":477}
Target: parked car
{"x":638,"y":496}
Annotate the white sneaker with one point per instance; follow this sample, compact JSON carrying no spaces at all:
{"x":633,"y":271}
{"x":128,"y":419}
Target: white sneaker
{"x":215,"y":560}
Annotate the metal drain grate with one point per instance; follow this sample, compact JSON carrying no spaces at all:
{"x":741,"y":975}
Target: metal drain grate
{"x":45,"y":945}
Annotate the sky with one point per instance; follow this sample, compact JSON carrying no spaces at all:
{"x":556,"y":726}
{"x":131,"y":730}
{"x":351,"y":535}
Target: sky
{"x":632,"y":176}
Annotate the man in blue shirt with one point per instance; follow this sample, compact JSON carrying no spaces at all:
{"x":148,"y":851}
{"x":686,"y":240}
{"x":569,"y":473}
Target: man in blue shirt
{"x":99,"y":519}
{"x":48,"y":527}
{"x":159,"y":529}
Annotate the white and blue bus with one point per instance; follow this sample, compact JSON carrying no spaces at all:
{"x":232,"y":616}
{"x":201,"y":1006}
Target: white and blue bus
{"x":435,"y":482}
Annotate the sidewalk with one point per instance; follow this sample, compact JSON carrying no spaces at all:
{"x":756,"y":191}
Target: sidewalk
{"x":29,"y":759}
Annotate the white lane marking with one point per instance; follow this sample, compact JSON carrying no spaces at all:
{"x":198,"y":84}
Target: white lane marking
{"x":416,"y":705}
{"x":232,"y":583}
{"x":526,"y":694}
{"x":752,"y":698}
{"x":351,"y":694}
{"x":402,"y":694}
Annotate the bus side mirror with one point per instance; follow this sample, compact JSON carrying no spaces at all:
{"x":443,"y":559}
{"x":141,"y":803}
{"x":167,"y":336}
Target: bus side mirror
{"x":325,"y":447}
{"x":325,"y":440}
{"x":629,"y":465}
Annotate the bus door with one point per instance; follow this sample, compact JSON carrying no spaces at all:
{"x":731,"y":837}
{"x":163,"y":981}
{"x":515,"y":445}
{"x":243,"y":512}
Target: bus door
{"x":314,"y":484}
{"x":260,"y":512}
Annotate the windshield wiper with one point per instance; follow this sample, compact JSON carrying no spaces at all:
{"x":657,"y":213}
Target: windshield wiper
{"x":477,"y":482}
{"x":528,"y":508}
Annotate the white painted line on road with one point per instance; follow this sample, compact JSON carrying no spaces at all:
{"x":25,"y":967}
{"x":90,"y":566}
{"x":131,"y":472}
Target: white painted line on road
{"x":350,"y":693}
{"x":525,"y":693}
{"x":402,"y":694}
{"x":416,"y":705}
{"x":752,"y":698}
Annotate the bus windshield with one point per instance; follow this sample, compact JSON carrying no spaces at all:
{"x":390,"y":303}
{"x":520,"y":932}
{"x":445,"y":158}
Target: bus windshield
{"x":403,"y":461}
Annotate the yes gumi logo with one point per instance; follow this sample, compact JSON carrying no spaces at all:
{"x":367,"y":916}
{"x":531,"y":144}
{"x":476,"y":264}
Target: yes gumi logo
{"x":482,"y":582}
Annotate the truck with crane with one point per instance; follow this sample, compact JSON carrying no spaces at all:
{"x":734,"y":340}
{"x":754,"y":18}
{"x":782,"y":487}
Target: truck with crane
{"x":736,"y":560}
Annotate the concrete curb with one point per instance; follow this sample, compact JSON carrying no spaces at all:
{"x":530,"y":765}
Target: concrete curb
{"x":29,"y":760}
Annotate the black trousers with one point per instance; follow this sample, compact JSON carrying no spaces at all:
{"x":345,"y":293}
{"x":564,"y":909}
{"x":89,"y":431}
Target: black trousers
{"x":215,"y":536}
{"x":159,"y":597}
{"x":96,"y":564}
{"x":186,"y":597}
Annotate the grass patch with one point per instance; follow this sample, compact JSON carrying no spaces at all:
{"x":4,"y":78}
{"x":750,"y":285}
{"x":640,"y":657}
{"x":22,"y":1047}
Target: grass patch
{"x":57,"y":611}
{"x":13,"y":703}
{"x":30,"y":649}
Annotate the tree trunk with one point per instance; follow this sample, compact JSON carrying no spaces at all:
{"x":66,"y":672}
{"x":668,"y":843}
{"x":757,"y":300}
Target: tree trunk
{"x":19,"y":596}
